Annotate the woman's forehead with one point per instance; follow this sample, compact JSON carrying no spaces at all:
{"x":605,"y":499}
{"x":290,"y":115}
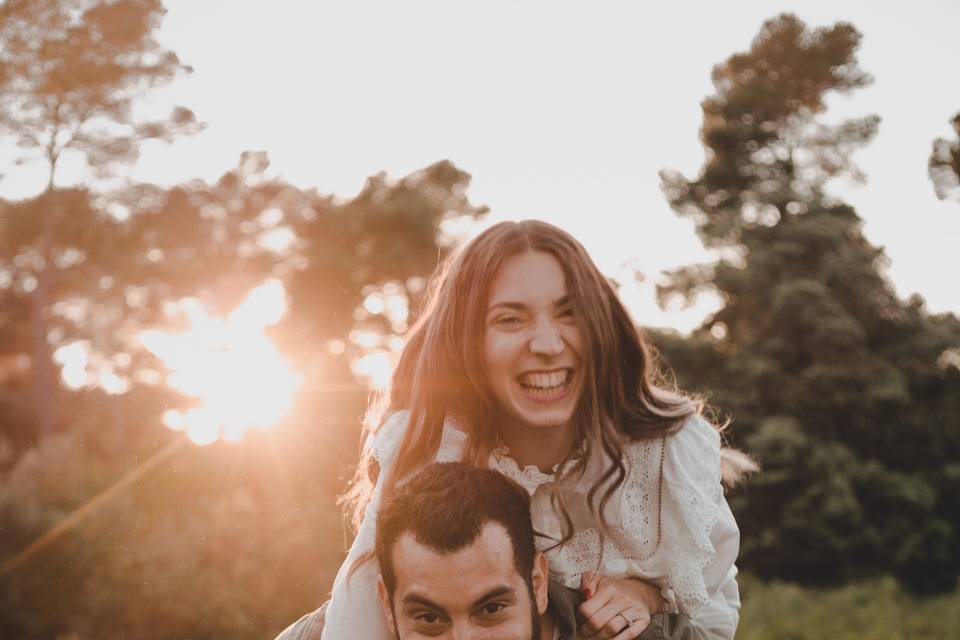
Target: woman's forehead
{"x":531,"y":277}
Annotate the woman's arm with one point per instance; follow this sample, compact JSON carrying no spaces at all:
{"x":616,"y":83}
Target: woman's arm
{"x":354,"y":610}
{"x":700,"y":531}
{"x":718,"y":621}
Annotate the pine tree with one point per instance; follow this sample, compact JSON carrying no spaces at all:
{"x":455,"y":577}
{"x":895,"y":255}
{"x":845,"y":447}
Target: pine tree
{"x":846,"y":394}
{"x":944,"y":164}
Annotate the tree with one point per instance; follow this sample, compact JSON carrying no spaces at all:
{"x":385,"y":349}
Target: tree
{"x":944,"y":164}
{"x":70,"y":73}
{"x":381,"y":245}
{"x":52,"y":272}
{"x":846,"y":394}
{"x":256,"y":517}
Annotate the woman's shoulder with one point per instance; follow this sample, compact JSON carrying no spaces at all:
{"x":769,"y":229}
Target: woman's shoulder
{"x":695,"y":434}
{"x":388,"y":437}
{"x":698,"y":433}
{"x":691,"y":456}
{"x":385,"y":441}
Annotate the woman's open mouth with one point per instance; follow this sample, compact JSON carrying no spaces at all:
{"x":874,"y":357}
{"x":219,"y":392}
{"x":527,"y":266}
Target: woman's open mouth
{"x":546,"y":386}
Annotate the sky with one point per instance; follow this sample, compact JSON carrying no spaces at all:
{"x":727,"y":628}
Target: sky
{"x":561,"y":111}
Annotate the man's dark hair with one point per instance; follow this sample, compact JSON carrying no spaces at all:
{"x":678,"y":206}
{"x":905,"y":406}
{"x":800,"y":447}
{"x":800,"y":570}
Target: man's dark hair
{"x":446,"y":506}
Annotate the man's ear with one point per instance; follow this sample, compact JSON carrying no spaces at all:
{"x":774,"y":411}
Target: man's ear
{"x":540,"y":580}
{"x":385,"y":602}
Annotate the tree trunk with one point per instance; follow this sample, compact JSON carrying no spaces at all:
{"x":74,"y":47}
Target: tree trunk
{"x":44,"y":390}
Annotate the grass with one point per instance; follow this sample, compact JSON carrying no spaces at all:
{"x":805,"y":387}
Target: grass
{"x":875,"y":610}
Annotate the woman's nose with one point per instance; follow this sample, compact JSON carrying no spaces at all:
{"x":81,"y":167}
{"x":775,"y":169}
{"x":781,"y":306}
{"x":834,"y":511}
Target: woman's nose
{"x":546,"y":338}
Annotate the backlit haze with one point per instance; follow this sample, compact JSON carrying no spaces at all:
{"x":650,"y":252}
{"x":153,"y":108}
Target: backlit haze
{"x":238,"y":378}
{"x":560,"y":111}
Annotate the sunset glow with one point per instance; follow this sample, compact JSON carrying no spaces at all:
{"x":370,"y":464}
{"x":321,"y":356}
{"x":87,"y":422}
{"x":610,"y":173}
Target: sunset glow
{"x":229,"y":365}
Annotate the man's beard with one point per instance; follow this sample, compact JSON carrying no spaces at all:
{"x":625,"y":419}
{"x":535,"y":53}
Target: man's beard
{"x":535,"y":628}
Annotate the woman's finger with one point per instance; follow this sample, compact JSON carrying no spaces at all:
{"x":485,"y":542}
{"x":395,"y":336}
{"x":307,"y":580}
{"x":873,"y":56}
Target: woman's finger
{"x":589,"y":582}
{"x":599,"y":597}
{"x":608,"y":620}
{"x":594,"y":620}
{"x":633,"y":630}
{"x":616,"y":604}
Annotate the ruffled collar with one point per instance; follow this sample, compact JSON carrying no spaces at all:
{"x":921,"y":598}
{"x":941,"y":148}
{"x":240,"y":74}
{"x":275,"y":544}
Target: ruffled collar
{"x":529,"y":477}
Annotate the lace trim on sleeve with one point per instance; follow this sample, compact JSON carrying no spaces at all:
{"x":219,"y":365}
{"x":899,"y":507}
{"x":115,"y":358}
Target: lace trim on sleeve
{"x":581,"y":554}
{"x":642,"y":514}
{"x":692,"y":491}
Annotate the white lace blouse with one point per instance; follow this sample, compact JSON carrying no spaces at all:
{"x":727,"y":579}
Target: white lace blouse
{"x":669,"y":524}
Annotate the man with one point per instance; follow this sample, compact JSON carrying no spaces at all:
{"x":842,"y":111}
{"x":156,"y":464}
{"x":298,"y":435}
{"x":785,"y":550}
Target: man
{"x":457,"y":557}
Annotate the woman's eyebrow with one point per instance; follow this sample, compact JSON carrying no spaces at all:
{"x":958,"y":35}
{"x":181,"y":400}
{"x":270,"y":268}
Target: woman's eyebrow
{"x":517,"y":306}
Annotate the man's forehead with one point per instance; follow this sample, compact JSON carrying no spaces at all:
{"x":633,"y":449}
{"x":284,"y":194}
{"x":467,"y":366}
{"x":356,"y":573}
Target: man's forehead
{"x":455,"y":577}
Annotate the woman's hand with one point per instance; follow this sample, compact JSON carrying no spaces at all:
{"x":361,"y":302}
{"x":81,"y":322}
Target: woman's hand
{"x":616,"y":608}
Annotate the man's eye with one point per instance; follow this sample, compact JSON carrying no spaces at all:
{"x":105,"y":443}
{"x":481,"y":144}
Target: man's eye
{"x":427,"y":618}
{"x":493,"y":608}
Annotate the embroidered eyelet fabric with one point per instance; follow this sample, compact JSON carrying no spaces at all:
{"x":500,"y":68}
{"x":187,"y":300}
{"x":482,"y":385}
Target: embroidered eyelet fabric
{"x":691,"y":497}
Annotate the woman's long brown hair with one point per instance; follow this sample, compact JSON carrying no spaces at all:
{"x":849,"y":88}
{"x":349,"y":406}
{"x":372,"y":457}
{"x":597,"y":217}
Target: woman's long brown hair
{"x":441,"y":371}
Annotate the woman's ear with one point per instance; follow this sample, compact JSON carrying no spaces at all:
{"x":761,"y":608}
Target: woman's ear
{"x":540,"y":580}
{"x":385,"y":602}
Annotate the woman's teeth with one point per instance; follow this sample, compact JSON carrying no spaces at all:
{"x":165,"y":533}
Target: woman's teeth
{"x":545,"y":381}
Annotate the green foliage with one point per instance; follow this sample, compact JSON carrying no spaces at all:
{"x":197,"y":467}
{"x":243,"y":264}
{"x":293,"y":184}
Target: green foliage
{"x":226,"y":541}
{"x":385,"y":240}
{"x":873,"y":610}
{"x":761,"y":130}
{"x":847,"y":395}
{"x":71,"y":72}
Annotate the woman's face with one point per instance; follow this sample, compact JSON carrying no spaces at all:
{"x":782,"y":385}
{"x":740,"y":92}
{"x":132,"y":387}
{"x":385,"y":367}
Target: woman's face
{"x":533,"y":346}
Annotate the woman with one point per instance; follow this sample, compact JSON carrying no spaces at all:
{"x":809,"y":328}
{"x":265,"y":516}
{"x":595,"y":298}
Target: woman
{"x":526,"y":362}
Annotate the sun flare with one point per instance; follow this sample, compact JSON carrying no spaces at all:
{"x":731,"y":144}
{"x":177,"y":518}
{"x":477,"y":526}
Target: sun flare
{"x":229,"y":365}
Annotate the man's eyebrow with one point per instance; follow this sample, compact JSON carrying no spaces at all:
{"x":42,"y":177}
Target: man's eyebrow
{"x":416,"y":598}
{"x":496,"y":592}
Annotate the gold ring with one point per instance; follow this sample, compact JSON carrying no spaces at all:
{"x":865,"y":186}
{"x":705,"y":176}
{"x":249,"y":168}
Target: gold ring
{"x":625,"y":619}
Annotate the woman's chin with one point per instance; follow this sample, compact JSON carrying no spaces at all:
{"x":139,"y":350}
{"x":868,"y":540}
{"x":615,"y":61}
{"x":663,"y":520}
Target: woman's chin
{"x":540,"y":414}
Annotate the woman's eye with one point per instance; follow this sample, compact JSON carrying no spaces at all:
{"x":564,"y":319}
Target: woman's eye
{"x":508,"y":320}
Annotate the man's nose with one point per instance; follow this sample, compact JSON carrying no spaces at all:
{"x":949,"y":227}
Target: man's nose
{"x":546,"y":339}
{"x":467,"y":632}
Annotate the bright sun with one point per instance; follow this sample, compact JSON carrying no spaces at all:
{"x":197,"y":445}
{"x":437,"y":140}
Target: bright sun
{"x":229,"y":365}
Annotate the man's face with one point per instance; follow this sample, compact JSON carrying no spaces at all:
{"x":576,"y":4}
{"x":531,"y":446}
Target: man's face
{"x":474,"y":593}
